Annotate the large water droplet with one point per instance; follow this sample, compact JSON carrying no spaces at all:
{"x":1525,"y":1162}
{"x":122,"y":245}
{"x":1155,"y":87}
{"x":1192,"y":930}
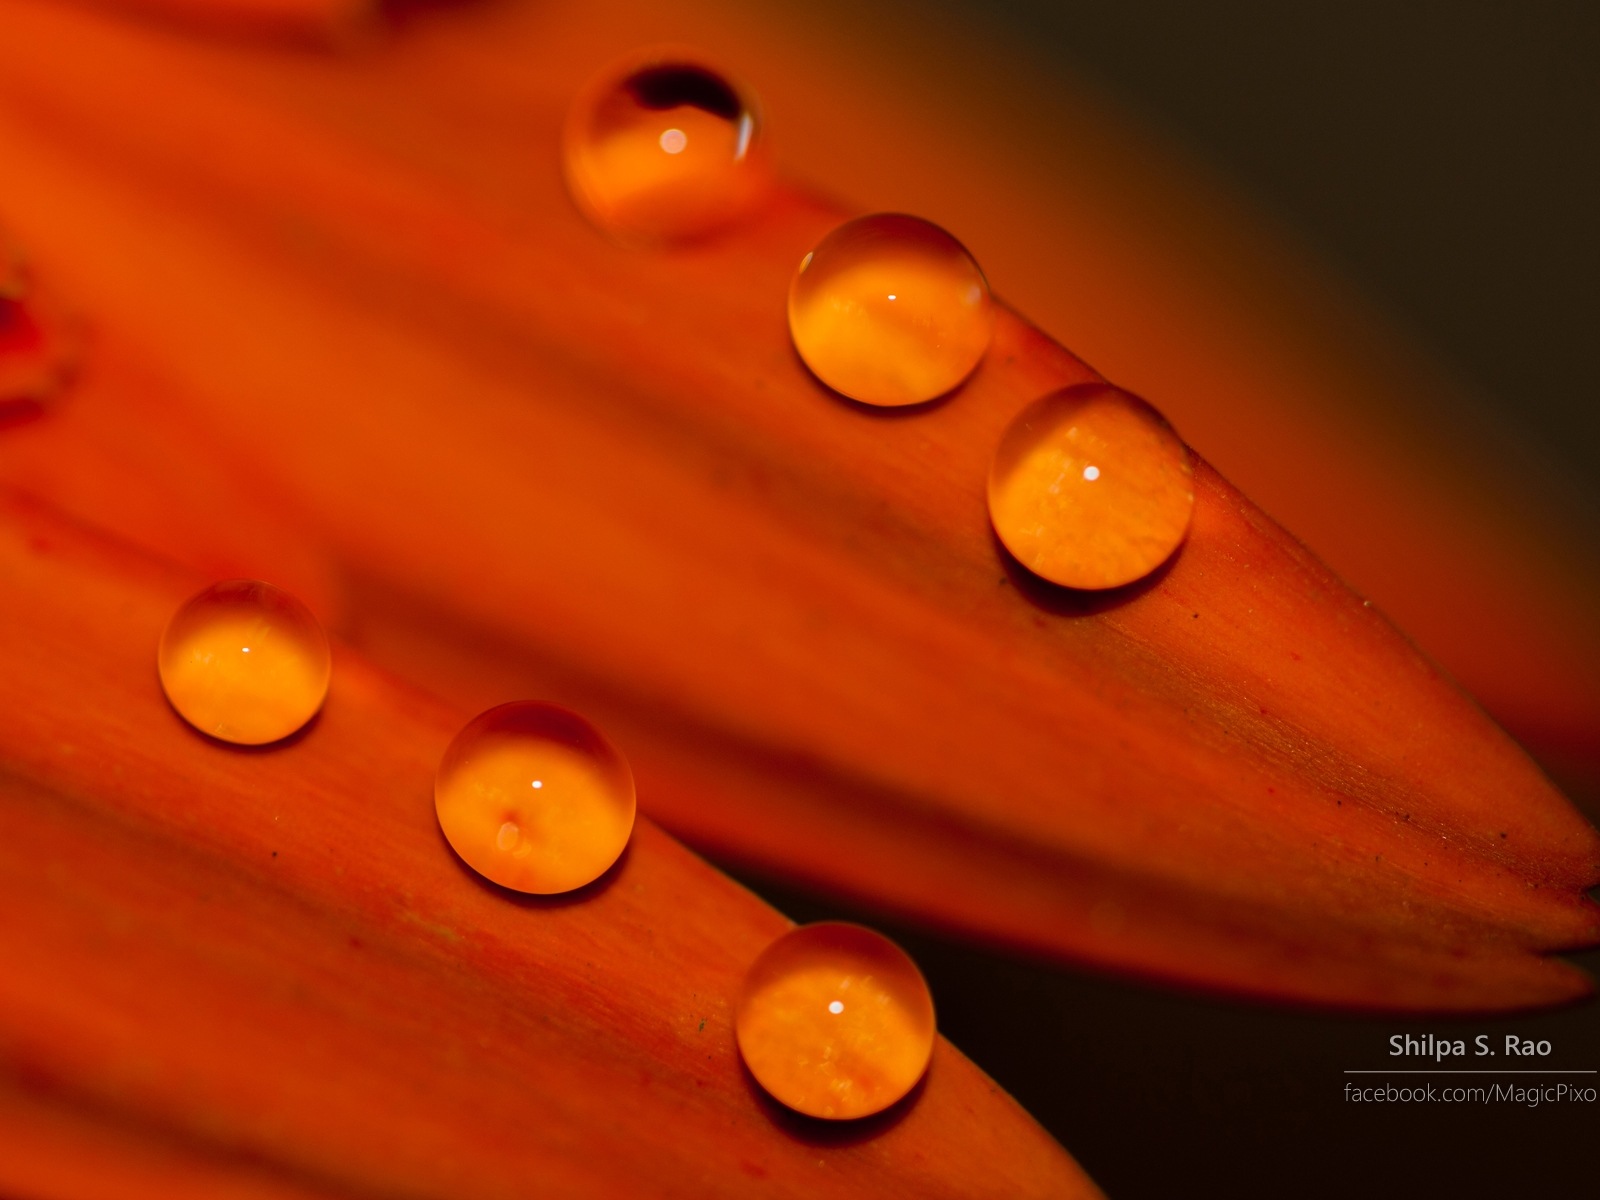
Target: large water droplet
{"x":245,"y":662}
{"x":1091,"y":488}
{"x":890,"y":310}
{"x":835,"y":1021}
{"x":664,"y":148}
{"x":535,"y":798}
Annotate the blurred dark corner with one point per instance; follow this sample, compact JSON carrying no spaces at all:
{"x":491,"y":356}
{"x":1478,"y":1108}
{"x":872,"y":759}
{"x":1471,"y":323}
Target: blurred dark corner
{"x":1446,"y":158}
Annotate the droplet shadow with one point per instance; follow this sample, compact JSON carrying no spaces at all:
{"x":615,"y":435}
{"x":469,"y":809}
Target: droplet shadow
{"x":287,"y":742}
{"x":819,"y":1132}
{"x":531,"y":900}
{"x":1073,"y":602}
{"x":881,"y":412}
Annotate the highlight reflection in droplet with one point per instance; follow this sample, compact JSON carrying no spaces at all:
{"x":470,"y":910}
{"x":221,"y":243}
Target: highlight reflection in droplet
{"x":535,"y":798}
{"x":1091,"y":488}
{"x":245,"y":662}
{"x":890,"y":310}
{"x":664,"y":148}
{"x":835,"y":1021}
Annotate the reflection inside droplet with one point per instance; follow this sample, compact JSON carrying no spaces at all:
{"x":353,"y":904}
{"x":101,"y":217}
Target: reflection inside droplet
{"x":1104,"y":536}
{"x":664,"y":149}
{"x":562,"y":838}
{"x":890,"y":310}
{"x":814,"y":1052}
{"x":252,"y":700}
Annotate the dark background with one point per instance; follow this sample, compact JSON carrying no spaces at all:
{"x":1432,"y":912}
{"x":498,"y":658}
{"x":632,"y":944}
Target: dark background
{"x":1446,"y":158}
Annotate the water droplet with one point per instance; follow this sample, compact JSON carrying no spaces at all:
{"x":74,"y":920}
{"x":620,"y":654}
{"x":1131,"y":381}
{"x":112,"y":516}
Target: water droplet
{"x":890,"y":310}
{"x":40,"y":345}
{"x":562,"y":836}
{"x":245,"y":662}
{"x":814,"y":1052}
{"x":664,"y":148}
{"x":1080,"y":536}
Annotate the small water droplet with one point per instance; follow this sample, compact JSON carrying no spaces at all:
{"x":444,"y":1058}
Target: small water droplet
{"x":664,"y":148}
{"x":565,"y":837}
{"x":245,"y":662}
{"x":890,"y":310}
{"x":1127,"y":524}
{"x":810,"y":1050}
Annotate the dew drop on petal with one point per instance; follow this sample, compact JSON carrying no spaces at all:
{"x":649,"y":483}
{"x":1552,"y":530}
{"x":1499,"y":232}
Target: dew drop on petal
{"x":535,"y":798}
{"x":245,"y":662}
{"x":1091,"y":488}
{"x":814,"y":1051}
{"x":664,"y":148}
{"x":890,"y":310}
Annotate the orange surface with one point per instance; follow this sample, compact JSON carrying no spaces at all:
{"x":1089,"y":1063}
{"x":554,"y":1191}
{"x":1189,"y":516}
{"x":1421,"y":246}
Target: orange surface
{"x":1156,"y":272}
{"x":890,"y":310}
{"x":551,"y":465}
{"x":40,"y":345}
{"x":262,"y":973}
{"x":835,"y":1021}
{"x":327,"y":23}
